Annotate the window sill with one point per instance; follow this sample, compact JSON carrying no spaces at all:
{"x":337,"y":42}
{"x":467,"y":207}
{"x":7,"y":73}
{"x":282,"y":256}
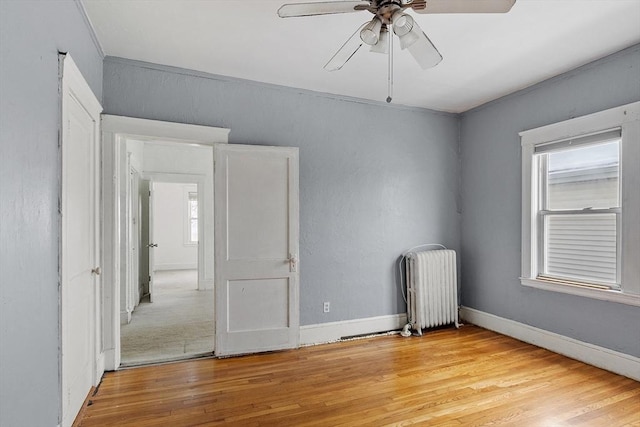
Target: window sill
{"x":583,"y":291}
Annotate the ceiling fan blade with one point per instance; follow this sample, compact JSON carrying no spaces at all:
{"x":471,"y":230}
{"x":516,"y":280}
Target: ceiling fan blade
{"x":320,"y":8}
{"x":462,"y":6}
{"x":348,"y":49}
{"x":423,"y":51}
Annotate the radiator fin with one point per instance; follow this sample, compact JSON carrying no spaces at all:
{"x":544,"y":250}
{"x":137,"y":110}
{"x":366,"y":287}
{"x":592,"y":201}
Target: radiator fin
{"x":432,"y":288}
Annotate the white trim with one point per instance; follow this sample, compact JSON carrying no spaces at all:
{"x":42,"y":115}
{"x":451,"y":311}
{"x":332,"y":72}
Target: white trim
{"x":168,"y":266}
{"x":149,"y":130}
{"x":583,"y":291}
{"x":206,"y":285}
{"x":125,"y":317}
{"x":626,"y":118}
{"x":583,"y":125}
{"x":174,"y":178}
{"x":78,"y":86}
{"x":611,"y":360}
{"x":334,"y":331}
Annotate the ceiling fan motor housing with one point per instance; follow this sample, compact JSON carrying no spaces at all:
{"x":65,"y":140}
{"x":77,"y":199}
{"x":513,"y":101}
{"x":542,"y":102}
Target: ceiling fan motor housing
{"x":386,"y":8}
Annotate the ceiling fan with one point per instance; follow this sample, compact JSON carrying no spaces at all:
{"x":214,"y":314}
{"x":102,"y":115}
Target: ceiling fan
{"x":390,"y":15}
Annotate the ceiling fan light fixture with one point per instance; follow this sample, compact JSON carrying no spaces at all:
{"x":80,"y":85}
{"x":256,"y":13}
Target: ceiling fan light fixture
{"x":370,"y":34}
{"x":409,"y":38}
{"x":383,"y":43}
{"x":402,"y":23}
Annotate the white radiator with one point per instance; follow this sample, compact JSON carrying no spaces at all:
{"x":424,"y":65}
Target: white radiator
{"x":432,"y":289}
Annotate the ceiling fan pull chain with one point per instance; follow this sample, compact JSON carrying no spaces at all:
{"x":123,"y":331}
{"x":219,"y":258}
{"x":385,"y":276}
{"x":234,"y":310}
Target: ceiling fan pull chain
{"x":390,"y":77}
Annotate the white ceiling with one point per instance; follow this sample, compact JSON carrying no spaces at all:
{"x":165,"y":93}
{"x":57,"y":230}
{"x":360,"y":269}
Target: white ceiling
{"x":485,"y":56}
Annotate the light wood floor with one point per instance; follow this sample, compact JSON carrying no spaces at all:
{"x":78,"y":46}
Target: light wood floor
{"x":449,"y":377}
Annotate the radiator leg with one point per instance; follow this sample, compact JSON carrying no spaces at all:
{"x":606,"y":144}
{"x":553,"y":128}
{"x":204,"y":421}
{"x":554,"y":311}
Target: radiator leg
{"x":406,"y":331}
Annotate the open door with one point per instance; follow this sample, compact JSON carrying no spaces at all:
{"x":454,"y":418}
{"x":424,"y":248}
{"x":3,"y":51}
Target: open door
{"x":151,"y":245}
{"x":80,"y":242}
{"x":256,"y":248}
{"x":134,"y":238}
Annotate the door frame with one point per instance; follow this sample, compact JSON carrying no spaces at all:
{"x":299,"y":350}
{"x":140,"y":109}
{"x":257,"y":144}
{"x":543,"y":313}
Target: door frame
{"x":199,"y":181}
{"x":115,"y":132}
{"x":74,"y":86}
{"x":133,"y":236}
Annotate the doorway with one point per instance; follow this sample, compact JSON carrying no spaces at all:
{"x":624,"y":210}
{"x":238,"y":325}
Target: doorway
{"x":160,"y":152}
{"x":256,"y":217}
{"x":168,"y":196}
{"x":173,"y":318}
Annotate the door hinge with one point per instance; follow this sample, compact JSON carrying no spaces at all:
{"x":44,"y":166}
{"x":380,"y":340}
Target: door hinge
{"x":149,"y":279}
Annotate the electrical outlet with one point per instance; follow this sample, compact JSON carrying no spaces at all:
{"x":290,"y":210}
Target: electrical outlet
{"x":326,"y":308}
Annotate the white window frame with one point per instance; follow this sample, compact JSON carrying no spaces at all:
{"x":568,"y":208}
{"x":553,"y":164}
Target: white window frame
{"x":186,"y":191}
{"x":627,"y":119}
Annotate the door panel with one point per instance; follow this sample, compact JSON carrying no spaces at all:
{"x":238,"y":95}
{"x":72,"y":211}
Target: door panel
{"x":150,"y":244}
{"x":79,"y":251}
{"x":77,"y":257}
{"x":246,"y":198}
{"x":256,"y":220}
{"x":268,"y":313}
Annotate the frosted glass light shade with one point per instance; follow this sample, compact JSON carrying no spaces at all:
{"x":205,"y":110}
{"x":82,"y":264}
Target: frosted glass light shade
{"x":370,"y":34}
{"x":422,"y":50}
{"x":383,"y":43}
{"x":402,"y":23}
{"x":409,"y":38}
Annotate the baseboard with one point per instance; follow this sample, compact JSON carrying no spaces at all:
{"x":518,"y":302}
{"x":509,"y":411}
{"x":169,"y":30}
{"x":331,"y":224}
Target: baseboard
{"x":164,"y":267}
{"x":125,"y":317}
{"x":205,"y":285}
{"x":77,"y":422}
{"x":611,"y":360}
{"x":334,"y":331}
{"x":110,"y":363}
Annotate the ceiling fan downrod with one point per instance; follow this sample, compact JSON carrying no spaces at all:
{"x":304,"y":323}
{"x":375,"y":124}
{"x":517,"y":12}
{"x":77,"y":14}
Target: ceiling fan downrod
{"x":390,"y":75}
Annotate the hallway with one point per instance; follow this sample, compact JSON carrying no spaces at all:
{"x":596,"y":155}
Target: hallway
{"x":177,"y":325}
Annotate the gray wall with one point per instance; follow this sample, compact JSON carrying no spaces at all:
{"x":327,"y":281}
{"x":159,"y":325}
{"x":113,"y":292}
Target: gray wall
{"x":374,"y":179}
{"x":491,"y":196}
{"x":31,"y":33}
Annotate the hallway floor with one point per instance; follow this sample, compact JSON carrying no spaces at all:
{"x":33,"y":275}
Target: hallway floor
{"x":177,"y":325}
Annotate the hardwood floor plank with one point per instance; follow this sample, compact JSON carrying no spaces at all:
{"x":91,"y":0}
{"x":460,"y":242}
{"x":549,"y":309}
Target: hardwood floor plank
{"x":448,"y":377}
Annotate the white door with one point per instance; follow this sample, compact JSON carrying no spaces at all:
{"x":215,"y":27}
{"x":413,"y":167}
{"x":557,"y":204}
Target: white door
{"x":134,"y":238}
{"x":151,"y":245}
{"x":256,"y":248}
{"x":80,"y":242}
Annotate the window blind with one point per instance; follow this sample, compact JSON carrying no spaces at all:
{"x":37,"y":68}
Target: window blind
{"x":597,"y":138}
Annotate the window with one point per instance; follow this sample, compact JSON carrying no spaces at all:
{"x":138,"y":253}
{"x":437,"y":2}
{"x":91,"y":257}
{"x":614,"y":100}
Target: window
{"x":192,"y":217}
{"x":581,"y":207}
{"x":578,"y":210}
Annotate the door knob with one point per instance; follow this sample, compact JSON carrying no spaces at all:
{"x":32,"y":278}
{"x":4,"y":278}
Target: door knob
{"x":293,"y":263}
{"x":96,"y":271}
{"x":152,"y":245}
